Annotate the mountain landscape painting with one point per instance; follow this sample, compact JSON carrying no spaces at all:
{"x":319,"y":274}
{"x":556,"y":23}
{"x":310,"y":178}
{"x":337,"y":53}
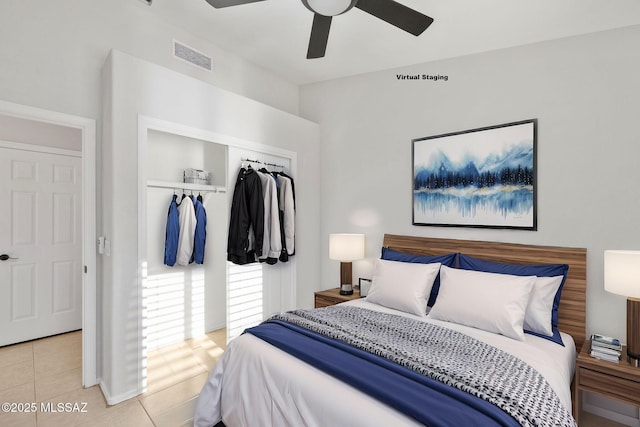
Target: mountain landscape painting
{"x":477,"y":178}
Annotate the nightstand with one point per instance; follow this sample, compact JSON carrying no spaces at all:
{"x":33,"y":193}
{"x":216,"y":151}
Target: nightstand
{"x":332,"y":297}
{"x":619,"y":381}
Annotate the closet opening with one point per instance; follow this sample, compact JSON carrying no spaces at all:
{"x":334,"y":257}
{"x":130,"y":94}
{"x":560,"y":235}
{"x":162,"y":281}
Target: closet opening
{"x":188,"y":312}
{"x":183,"y":298}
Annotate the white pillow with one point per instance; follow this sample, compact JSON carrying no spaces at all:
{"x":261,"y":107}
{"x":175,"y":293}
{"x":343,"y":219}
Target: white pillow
{"x":404,"y":286}
{"x":489,"y":301}
{"x":538,"y":315}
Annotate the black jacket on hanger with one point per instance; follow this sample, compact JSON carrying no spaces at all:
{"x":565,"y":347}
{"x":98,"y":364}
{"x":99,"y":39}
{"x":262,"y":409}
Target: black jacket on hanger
{"x":247,"y":211}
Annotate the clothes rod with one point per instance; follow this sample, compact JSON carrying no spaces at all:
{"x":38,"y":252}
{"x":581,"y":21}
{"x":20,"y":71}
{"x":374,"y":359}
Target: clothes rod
{"x":264,"y":163}
{"x":185,"y":186}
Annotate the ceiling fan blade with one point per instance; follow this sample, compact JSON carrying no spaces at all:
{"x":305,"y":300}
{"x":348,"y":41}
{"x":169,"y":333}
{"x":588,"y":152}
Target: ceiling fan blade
{"x":227,"y":3}
{"x":396,"y":14}
{"x":319,"y":36}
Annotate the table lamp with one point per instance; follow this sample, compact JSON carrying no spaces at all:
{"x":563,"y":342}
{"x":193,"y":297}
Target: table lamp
{"x":346,"y":248}
{"x":622,"y":276}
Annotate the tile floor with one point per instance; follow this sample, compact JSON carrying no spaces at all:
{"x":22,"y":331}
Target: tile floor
{"x":48,"y":372}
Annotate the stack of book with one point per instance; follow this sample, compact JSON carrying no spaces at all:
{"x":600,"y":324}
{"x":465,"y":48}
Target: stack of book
{"x":605,"y":348}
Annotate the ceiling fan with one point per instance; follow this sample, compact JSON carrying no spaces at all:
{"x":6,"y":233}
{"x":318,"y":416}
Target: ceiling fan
{"x":394,"y":13}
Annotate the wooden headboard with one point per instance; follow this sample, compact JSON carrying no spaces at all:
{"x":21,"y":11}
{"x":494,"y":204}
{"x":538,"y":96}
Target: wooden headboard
{"x":572,"y":310}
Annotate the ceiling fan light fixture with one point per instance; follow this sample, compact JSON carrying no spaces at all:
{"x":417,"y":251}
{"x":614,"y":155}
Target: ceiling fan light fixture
{"x":329,"y":7}
{"x":390,"y":11}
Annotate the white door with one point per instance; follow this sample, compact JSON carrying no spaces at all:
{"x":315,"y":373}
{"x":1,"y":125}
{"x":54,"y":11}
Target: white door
{"x":41,"y":230}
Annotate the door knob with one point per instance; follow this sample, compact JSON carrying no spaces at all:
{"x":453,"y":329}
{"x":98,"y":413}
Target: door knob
{"x":5,"y":257}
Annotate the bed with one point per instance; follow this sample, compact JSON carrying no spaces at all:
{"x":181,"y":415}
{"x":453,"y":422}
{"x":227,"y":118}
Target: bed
{"x":285,"y":372}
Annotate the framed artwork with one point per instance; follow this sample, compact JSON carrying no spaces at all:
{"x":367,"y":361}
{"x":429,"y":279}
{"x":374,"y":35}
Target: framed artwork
{"x":364,"y":285}
{"x":482,"y":177}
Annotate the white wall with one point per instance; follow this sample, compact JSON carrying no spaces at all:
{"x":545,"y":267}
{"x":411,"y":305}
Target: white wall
{"x":52,"y":52}
{"x":585,"y":93}
{"x":27,"y":131}
{"x":134,"y":91}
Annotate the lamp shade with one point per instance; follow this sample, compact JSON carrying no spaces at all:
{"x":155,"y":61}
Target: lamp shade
{"x":622,"y":273}
{"x":346,"y":247}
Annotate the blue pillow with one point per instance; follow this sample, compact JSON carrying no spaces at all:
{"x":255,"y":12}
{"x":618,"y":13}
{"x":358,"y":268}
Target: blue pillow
{"x":543,"y":270}
{"x":449,"y":260}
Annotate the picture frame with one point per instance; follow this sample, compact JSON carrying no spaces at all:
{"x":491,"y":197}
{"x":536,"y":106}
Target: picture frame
{"x":364,"y":285}
{"x":484,"y":177}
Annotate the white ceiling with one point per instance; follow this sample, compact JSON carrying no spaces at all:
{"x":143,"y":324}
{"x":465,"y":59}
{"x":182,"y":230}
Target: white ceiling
{"x":274,"y":33}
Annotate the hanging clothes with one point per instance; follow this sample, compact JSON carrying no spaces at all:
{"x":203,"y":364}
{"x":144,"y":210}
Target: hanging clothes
{"x":293,"y":187}
{"x":200,"y":233}
{"x":271,"y":242}
{"x":287,"y":216}
{"x":247,"y":215}
{"x":172,"y":233}
{"x":187,"y":219}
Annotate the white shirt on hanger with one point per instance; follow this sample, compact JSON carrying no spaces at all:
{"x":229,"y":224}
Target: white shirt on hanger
{"x":187,"y":218}
{"x":272,"y":242}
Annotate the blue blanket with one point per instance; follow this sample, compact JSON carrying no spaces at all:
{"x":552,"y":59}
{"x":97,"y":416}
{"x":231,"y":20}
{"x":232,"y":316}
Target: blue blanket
{"x":426,"y":400}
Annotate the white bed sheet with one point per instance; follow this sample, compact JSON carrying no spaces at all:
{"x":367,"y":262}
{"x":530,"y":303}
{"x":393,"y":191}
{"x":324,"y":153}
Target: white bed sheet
{"x":256,"y":384}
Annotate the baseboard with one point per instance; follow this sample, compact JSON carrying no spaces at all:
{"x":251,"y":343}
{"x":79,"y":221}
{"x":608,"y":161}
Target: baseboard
{"x":114,"y":400}
{"x":215,"y":327}
{"x":606,"y":408}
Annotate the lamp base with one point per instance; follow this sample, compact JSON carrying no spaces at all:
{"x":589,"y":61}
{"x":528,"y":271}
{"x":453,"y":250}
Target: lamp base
{"x":345,"y":279}
{"x":633,"y":330}
{"x":346,"y":289}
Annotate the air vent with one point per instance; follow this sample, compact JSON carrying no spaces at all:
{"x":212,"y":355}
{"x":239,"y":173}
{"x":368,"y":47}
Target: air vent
{"x":191,"y":56}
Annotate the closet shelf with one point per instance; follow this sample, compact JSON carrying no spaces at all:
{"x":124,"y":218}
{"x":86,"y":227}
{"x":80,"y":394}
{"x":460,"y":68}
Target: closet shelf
{"x":176,"y":185}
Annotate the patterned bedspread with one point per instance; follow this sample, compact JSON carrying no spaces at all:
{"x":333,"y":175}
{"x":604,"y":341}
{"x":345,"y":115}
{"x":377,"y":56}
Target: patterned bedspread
{"x":445,"y":355}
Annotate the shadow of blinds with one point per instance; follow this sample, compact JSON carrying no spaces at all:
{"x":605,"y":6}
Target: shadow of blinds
{"x":244,"y":298}
{"x":173,"y":306}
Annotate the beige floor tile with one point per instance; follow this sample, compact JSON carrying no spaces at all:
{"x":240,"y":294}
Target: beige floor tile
{"x":198,"y":341}
{"x":158,"y":403}
{"x":70,"y":339}
{"x":17,"y":353}
{"x":55,"y":359}
{"x":126,"y":414}
{"x":219,"y":337}
{"x":50,"y":386}
{"x":208,"y":355}
{"x":90,"y":400}
{"x":17,"y":374}
{"x":66,"y":344}
{"x":18,"y":420}
{"x":159,"y":374}
{"x":178,"y":415}
{"x":21,"y":393}
{"x":185,"y":366}
{"x":50,"y":371}
{"x":180,"y":359}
